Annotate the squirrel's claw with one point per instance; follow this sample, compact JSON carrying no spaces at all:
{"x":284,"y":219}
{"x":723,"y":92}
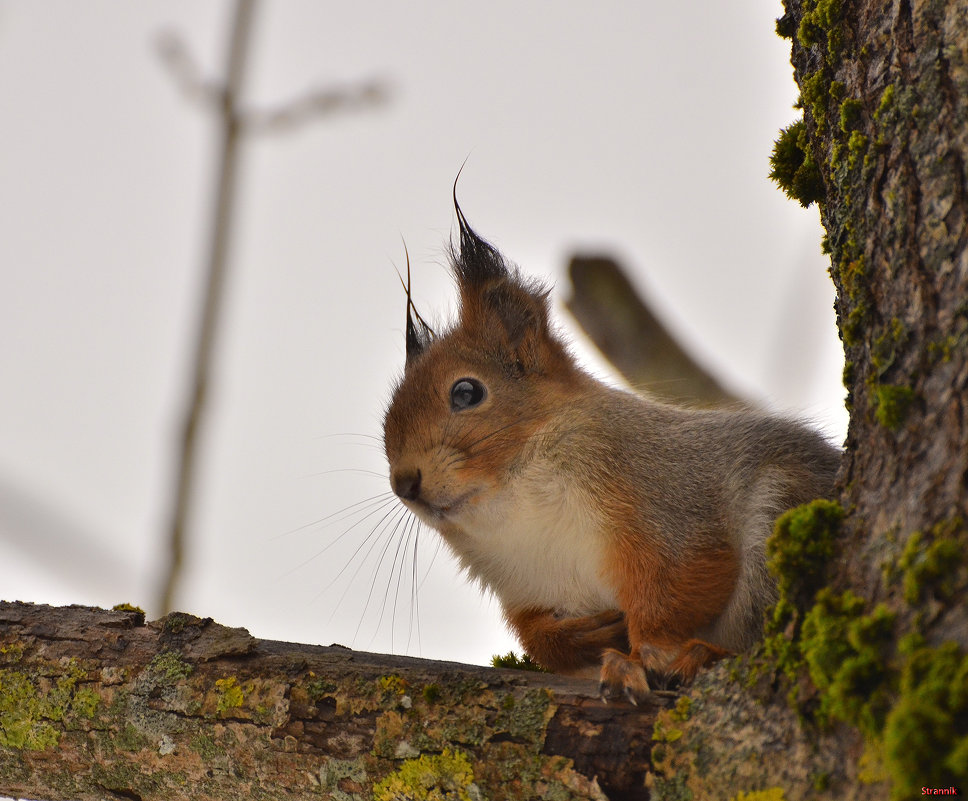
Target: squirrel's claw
{"x":622,"y":676}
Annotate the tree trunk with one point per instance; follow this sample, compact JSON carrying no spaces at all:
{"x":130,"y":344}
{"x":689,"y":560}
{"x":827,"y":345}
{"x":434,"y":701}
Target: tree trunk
{"x":864,"y":674}
{"x":97,"y":704}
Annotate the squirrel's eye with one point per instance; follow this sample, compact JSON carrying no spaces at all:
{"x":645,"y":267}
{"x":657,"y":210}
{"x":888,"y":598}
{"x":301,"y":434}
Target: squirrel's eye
{"x":465,"y":393}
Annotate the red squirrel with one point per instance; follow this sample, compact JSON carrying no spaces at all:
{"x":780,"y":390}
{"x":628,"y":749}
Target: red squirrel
{"x":621,"y":535}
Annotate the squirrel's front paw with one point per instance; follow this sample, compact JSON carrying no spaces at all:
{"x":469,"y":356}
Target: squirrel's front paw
{"x":622,"y":676}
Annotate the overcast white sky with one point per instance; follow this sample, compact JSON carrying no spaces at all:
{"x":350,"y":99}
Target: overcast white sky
{"x":641,"y":129}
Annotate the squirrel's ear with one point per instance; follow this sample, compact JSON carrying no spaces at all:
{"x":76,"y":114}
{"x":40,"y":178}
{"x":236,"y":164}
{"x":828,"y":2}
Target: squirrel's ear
{"x":495,"y":301}
{"x":419,"y":334}
{"x":518,"y":315}
{"x":415,"y":342}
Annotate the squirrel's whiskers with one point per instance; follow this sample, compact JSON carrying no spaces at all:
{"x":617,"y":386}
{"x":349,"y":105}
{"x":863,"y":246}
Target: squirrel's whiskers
{"x":621,"y":535}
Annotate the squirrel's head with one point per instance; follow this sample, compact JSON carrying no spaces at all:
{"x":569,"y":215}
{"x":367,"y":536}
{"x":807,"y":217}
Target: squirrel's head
{"x":472,"y":398}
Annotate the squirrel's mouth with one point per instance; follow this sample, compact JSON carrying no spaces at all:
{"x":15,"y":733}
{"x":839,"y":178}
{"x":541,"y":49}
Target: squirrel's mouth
{"x":432,"y":511}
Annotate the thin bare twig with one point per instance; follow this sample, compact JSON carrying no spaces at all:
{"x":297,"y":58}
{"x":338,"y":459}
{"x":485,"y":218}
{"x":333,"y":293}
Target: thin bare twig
{"x":184,"y":70}
{"x":229,"y":131}
{"x":234,"y":122}
{"x":316,"y":103}
{"x":319,"y":103}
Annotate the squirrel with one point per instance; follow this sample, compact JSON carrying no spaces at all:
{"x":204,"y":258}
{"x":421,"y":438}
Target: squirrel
{"x":622,"y":536}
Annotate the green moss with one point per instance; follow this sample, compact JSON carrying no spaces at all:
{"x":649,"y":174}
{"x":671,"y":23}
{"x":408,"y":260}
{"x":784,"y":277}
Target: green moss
{"x":205,"y":746}
{"x":850,"y":115}
{"x":25,"y":714}
{"x":819,"y":26}
{"x":815,"y":97}
{"x":870,"y":765}
{"x":856,"y":147}
{"x":793,"y":168}
{"x":664,"y":731}
{"x":773,"y":794}
{"x":853,"y":273}
{"x":130,"y":739}
{"x":228,"y":694}
{"x":317,"y":688}
{"x":176,"y":622}
{"x":29,"y":706}
{"x":85,"y":703}
{"x":926,"y":731}
{"x":910,"y":701}
{"x":802,"y":544}
{"x":170,"y":667}
{"x":12,"y":652}
{"x":886,"y":102}
{"x":891,"y":404}
{"x":511,"y":660}
{"x":886,"y":344}
{"x":666,"y":728}
{"x":431,"y":693}
{"x":820,"y":781}
{"x":682,"y":709}
{"x":931,"y":564}
{"x":846,"y":654}
{"x":942,"y":349}
{"x":855,"y":325}
{"x":448,"y":775}
{"x":126,"y":607}
{"x":525,"y":718}
{"x":392,"y":685}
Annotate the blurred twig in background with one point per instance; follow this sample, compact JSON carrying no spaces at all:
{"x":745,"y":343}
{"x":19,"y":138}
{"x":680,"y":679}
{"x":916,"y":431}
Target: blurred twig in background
{"x":624,"y":329}
{"x":211,"y":304}
{"x":233,"y":122}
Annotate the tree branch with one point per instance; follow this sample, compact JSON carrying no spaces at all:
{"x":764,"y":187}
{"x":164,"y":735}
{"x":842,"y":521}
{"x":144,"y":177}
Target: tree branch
{"x":234,"y":122}
{"x":315,"y":104}
{"x":97,"y":704}
{"x":221,"y":236}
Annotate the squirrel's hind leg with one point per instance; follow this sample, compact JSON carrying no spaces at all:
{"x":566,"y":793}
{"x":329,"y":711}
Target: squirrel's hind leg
{"x":666,"y":604}
{"x":635,"y":675}
{"x":694,"y":655}
{"x":568,"y":645}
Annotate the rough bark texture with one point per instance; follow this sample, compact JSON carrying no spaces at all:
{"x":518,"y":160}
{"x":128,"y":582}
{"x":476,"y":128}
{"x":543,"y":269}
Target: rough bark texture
{"x":864,"y":673}
{"x":97,"y":704}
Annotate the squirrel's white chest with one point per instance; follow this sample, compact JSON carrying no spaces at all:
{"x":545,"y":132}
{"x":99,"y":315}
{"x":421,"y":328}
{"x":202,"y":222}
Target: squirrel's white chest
{"x":538,"y":543}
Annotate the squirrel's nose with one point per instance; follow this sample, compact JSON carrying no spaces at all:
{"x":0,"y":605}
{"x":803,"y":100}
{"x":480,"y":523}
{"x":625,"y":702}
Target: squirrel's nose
{"x":406,"y":484}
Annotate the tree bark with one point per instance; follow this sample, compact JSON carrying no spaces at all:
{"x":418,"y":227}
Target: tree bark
{"x":864,"y":673}
{"x":98,"y":704}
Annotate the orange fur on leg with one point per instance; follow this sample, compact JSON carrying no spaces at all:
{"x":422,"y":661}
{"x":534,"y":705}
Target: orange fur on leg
{"x":666,"y":606}
{"x":694,"y":656}
{"x":568,"y":644}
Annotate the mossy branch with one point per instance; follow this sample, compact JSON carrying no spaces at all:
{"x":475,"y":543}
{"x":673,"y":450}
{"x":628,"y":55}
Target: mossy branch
{"x":98,"y":704}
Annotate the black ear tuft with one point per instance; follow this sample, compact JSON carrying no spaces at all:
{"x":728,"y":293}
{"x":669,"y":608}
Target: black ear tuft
{"x":474,"y":260}
{"x":419,"y":334}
